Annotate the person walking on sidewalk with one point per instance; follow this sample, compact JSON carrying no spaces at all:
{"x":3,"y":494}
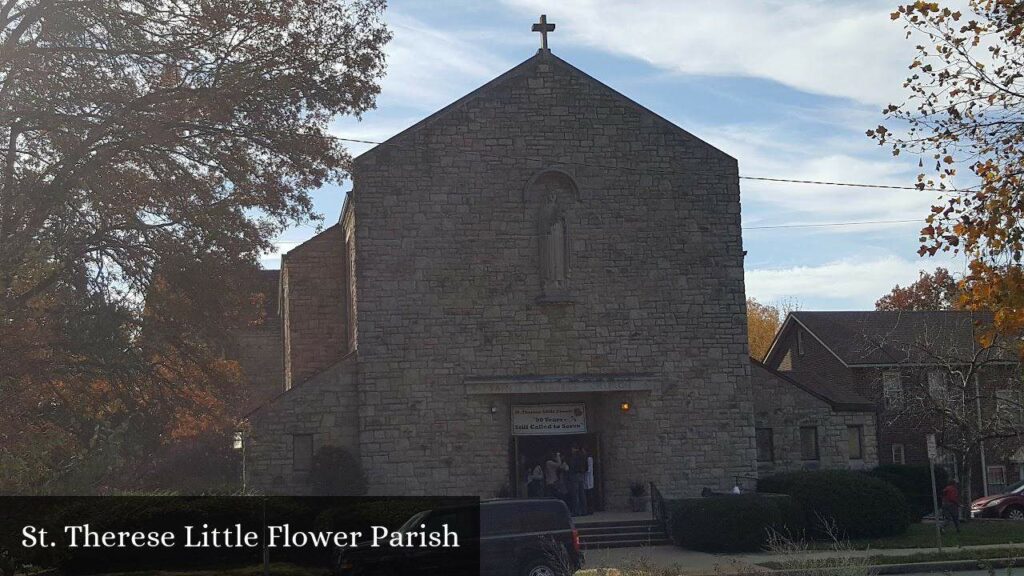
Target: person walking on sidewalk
{"x":951,"y":505}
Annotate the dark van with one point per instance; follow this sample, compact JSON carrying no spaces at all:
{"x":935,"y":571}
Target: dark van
{"x":518,"y":537}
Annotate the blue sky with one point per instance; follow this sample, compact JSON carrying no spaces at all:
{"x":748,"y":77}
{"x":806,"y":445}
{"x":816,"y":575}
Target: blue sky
{"x":788,"y":88}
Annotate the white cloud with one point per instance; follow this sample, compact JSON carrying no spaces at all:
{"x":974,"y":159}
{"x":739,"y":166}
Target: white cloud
{"x":429,"y":68}
{"x":774,"y":151}
{"x":849,"y":49}
{"x":857,"y":282}
{"x":272,"y":260}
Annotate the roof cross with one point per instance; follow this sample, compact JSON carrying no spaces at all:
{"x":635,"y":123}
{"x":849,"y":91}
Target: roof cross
{"x":543,"y":27}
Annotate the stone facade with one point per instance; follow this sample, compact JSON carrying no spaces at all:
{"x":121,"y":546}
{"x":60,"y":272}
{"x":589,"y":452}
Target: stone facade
{"x":783,"y":406}
{"x":313,"y":307}
{"x":542,"y":240}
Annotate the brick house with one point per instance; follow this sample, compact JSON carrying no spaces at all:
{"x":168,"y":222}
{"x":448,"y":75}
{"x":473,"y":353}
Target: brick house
{"x":542,"y":263}
{"x":896,"y":358}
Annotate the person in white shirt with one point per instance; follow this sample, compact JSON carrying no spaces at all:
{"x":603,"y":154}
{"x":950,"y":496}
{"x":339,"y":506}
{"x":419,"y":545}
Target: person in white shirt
{"x":588,"y":483}
{"x":552,"y":470}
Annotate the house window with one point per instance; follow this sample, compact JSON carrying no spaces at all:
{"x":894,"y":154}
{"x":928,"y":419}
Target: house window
{"x":899,"y":455}
{"x":855,"y":442}
{"x":302,"y":452}
{"x":765,"y":445}
{"x":799,"y":342}
{"x":809,"y":442}
{"x":996,"y":479}
{"x":892,"y":390}
{"x":1009,"y":406}
{"x":937,"y":388}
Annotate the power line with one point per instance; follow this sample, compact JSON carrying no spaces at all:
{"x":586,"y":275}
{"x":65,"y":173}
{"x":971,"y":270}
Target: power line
{"x":634,"y":169}
{"x":828,"y":224}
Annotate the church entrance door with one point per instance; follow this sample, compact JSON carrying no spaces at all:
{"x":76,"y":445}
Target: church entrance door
{"x":532,"y":451}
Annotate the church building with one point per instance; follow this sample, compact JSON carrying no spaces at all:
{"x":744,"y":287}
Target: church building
{"x":541,"y":264}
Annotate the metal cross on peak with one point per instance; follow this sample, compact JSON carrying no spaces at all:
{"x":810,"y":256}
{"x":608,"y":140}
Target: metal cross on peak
{"x":543,"y":27}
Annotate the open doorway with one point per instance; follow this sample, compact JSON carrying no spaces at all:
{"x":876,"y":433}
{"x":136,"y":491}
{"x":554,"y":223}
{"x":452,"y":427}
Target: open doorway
{"x":531,"y":451}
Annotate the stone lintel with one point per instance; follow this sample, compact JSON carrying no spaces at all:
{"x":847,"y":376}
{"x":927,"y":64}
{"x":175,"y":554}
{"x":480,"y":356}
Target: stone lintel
{"x":561,"y":384}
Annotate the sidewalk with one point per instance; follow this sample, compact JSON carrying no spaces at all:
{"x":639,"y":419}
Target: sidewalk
{"x":692,"y":562}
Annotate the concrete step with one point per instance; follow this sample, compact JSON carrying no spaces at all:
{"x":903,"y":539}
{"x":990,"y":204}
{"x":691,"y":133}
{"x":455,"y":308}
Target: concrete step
{"x":586,"y":525}
{"x":622,"y":534}
{"x":617,"y":529}
{"x":625,"y":536}
{"x":625,"y":543}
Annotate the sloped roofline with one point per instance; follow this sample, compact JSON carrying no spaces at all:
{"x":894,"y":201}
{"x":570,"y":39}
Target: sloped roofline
{"x":866,"y":406}
{"x":515,"y":70}
{"x":790,"y":319}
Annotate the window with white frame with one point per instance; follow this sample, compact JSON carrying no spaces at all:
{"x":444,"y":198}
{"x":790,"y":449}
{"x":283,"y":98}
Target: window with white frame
{"x":1010,"y":405}
{"x":996,"y":479}
{"x":899,"y":454}
{"x":937,"y":387}
{"x":892,"y":390}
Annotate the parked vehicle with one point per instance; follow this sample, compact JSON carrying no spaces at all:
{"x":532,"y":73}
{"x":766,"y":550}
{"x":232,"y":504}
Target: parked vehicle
{"x":1009,"y":504}
{"x":517,"y":537}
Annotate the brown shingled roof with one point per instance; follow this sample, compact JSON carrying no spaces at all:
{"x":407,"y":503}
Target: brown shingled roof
{"x":900,"y":337}
{"x":836,"y":396}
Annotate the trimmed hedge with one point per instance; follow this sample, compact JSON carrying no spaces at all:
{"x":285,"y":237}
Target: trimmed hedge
{"x":733,"y":523}
{"x":915,"y":482}
{"x":858,"y":504}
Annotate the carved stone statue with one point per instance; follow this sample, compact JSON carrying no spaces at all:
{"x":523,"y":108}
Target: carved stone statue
{"x":554,"y":245}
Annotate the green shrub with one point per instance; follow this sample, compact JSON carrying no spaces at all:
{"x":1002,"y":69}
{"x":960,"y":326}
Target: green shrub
{"x":856,"y":504}
{"x":733,"y":523}
{"x":337,"y":472}
{"x":915,"y":482}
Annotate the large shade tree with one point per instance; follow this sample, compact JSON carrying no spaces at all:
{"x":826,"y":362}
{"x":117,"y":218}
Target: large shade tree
{"x":966,"y":109}
{"x":150,"y":151}
{"x":937,"y":290}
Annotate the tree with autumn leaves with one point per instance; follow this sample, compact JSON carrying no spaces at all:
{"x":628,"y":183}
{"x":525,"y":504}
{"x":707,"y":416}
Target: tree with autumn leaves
{"x":937,"y":290}
{"x":965,"y":108}
{"x":149,"y":153}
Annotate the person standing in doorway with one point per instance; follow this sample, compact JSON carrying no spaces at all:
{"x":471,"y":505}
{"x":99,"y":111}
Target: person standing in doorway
{"x":577,"y":481}
{"x":588,"y":484}
{"x":535,"y":482}
{"x":552,"y":469}
{"x":951,"y":505}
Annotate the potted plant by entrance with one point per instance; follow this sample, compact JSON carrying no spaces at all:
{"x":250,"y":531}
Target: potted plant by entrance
{"x":638,"y":496}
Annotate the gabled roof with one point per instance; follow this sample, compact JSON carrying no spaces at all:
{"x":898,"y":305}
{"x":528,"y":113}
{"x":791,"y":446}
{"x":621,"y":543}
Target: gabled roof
{"x":837,"y":397}
{"x":525,"y":68}
{"x":879,"y":338}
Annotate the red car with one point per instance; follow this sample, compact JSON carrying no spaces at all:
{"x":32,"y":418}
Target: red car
{"x":1009,"y":504}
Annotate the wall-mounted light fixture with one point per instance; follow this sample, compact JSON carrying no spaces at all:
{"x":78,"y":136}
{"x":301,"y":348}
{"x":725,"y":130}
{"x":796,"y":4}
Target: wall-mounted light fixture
{"x":494,"y":409}
{"x":625,"y":406}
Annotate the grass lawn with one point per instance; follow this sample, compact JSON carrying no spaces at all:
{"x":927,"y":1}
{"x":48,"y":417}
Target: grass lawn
{"x":972,"y":533}
{"x":947,"y":554}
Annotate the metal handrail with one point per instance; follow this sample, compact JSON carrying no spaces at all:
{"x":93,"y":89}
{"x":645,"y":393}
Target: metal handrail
{"x":657,"y":503}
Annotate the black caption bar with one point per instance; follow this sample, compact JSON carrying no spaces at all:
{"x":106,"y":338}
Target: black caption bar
{"x":248,"y":534}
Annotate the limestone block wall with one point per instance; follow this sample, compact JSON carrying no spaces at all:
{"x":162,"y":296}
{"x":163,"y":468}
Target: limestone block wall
{"x":313,"y":314}
{"x":324,"y":406}
{"x":449,"y":279}
{"x":785,"y":408}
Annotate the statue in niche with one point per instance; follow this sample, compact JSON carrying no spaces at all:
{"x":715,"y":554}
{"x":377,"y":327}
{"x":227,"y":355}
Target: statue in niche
{"x":554,"y":245}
